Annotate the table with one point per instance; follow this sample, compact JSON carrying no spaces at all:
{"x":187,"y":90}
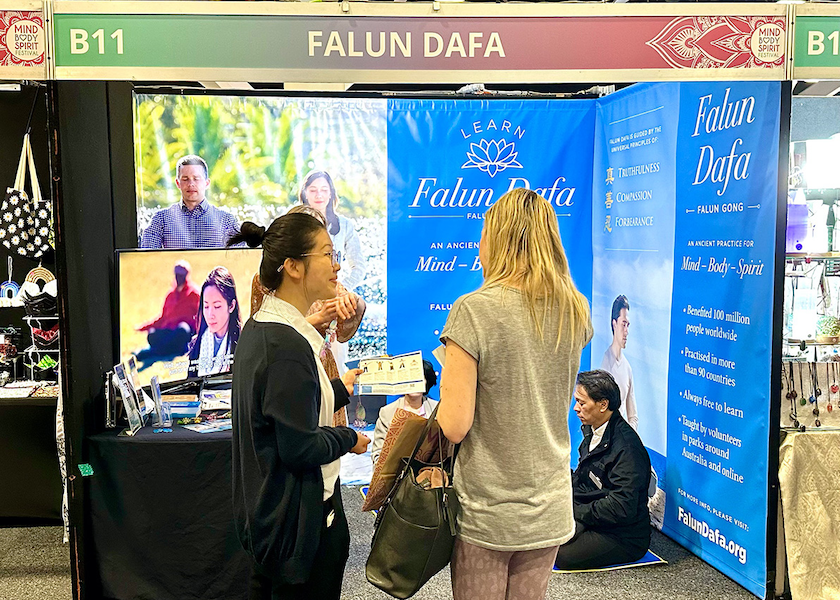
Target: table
{"x":161,"y":517}
{"x":31,"y":490}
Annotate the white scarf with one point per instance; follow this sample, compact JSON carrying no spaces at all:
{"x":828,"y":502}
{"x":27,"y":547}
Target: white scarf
{"x":211,"y":362}
{"x":275,"y":310}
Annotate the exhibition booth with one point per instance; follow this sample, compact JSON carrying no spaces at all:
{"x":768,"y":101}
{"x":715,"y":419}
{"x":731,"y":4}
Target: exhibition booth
{"x":673,"y":194}
{"x":31,"y":427}
{"x":612,"y":167}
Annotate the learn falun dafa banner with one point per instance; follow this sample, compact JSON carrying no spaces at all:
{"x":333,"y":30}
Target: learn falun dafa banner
{"x":448,"y":162}
{"x":664,"y":193}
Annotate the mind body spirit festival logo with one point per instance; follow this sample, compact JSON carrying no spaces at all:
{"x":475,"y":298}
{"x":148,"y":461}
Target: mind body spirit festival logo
{"x":21,"y":38}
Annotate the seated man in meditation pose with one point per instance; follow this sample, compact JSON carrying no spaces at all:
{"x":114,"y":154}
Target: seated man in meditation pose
{"x":610,"y":484}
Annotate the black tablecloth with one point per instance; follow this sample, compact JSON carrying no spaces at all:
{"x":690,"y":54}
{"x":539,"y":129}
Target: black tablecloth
{"x":161,"y":517}
{"x":31,"y":488}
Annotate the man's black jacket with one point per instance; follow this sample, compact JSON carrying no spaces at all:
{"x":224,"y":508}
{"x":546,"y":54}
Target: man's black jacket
{"x":620,"y":465}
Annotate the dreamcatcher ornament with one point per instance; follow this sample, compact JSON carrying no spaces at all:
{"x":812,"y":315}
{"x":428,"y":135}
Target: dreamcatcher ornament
{"x":26,"y":225}
{"x":9,"y":290}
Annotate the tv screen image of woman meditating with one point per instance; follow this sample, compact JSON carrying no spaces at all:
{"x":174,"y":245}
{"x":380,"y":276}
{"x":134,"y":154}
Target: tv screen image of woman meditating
{"x":219,"y":325}
{"x":181,"y":310}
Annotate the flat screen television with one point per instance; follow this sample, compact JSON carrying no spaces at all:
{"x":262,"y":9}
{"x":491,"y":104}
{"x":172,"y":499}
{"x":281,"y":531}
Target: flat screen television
{"x":181,"y":311}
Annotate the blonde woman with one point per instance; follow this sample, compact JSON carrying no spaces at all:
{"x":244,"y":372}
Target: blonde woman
{"x":512,"y":353}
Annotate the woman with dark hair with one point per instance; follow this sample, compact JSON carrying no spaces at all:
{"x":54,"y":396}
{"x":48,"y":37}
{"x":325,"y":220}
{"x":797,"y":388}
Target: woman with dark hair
{"x":219,"y":325}
{"x":338,"y":317}
{"x":318,"y":191}
{"x":287,"y":505}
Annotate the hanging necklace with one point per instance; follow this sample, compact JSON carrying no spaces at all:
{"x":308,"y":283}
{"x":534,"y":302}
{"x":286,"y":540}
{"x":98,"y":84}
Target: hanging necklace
{"x":817,"y":390}
{"x":803,"y":400}
{"x":833,"y":389}
{"x":791,"y":394}
{"x":815,"y":393}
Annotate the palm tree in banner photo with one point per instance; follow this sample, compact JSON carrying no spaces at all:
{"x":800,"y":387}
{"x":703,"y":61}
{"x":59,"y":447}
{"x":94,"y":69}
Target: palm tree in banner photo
{"x":247,"y":143}
{"x":261,"y":160}
{"x":153,"y":184}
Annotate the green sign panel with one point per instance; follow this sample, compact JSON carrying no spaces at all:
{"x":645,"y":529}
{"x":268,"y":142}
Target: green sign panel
{"x":817,"y":45}
{"x":182,"y":41}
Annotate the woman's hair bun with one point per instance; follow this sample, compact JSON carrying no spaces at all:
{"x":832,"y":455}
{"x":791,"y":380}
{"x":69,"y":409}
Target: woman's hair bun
{"x":252,"y":234}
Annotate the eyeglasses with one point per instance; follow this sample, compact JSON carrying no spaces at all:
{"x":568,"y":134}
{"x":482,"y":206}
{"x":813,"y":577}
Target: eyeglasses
{"x":333,"y":254}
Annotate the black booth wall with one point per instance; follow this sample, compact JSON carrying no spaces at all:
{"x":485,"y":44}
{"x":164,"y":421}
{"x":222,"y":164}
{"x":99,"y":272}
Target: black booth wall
{"x":31,"y":491}
{"x":93,"y":188}
{"x":93,"y":191}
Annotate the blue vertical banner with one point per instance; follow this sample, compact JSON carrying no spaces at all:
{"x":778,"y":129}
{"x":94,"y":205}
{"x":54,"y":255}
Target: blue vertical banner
{"x":633,"y":249}
{"x":448,"y":162}
{"x":666,"y":199}
{"x":721,"y":325}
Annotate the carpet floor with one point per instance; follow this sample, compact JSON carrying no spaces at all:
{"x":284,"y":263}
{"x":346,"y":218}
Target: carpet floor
{"x":35,"y":565}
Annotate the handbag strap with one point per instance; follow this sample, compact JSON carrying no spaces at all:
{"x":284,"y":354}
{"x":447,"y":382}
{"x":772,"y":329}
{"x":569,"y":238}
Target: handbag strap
{"x":21,"y":170}
{"x":422,"y":438}
{"x":33,"y":175}
{"x":392,"y":492}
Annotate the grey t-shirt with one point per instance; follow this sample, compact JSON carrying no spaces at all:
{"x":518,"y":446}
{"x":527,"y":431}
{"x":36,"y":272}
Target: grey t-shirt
{"x":512,"y":475}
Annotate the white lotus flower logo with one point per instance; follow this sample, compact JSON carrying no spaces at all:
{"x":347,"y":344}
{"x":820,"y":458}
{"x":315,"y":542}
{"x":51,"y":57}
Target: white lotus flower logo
{"x":493,"y":156}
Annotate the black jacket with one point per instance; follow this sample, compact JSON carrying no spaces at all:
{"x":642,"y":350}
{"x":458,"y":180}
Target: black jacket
{"x":278,"y":449}
{"x":621,"y":465}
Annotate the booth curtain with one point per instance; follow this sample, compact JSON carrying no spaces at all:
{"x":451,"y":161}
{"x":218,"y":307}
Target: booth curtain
{"x":809,"y":475}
